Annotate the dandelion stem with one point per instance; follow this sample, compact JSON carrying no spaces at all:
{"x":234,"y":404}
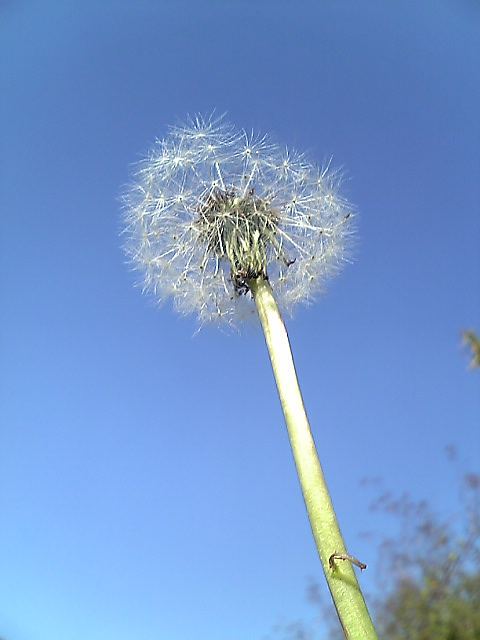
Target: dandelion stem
{"x":341,"y":579}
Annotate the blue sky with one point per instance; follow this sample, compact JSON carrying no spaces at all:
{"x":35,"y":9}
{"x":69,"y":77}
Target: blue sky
{"x":147,"y":487}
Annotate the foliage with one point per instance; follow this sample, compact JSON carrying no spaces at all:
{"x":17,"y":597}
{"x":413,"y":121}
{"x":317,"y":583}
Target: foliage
{"x":432,"y":571}
{"x":431,"y":588}
{"x":471,"y":339}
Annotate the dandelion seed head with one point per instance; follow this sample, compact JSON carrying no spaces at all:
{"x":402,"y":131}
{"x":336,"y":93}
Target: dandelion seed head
{"x":212,"y":207}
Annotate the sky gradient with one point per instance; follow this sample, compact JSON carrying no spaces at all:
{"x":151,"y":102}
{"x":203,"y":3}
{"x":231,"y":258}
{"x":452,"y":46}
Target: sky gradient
{"x":147,"y":488}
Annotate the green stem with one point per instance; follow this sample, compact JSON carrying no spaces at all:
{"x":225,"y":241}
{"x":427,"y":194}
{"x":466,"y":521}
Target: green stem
{"x":341,"y":578}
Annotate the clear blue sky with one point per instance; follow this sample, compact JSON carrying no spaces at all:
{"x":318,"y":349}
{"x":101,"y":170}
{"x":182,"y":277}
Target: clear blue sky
{"x":147,"y":488}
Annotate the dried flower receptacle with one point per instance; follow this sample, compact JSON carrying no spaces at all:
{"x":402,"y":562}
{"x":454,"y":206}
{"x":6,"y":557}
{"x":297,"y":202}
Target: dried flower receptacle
{"x":239,"y":230}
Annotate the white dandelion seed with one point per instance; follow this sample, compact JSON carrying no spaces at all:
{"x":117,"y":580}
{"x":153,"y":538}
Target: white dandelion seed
{"x":212,"y":207}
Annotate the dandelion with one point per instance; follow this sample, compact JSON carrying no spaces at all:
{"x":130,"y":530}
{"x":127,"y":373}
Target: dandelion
{"x":229,"y":224}
{"x":213,"y":207}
